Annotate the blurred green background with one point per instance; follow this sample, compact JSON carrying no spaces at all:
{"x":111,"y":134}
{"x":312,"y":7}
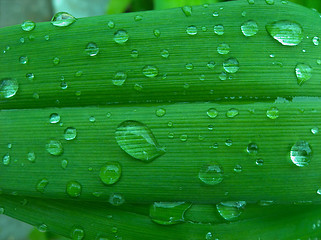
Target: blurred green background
{"x":14,"y":12}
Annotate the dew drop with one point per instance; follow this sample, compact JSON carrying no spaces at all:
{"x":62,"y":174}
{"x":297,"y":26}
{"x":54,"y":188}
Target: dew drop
{"x":56,"y":60}
{"x":54,"y":118}
{"x":231,"y":113}
{"x":219,"y":29}
{"x":137,"y":140}
{"x":315,"y":130}
{"x":121,"y":37}
{"x":23,"y":60}
{"x":209,"y":236}
{"x":259,"y":162}
{"x":301,"y":153}
{"x":183,"y":137}
{"x":157,"y":33}
{"x":42,"y":228}
{"x":42,"y":184}
{"x":270,"y":2}
{"x":28,"y":26}
{"x":91,"y":49}
{"x":252,"y":148}
{"x":110,"y":173}
{"x":211,"y":174}
{"x":30,"y":76}
{"x":272,"y":113}
{"x":223,"y":48}
{"x":228,"y":142}
{"x":165,"y":53}
{"x":111,"y":25}
{"x":160,"y":112}
{"x":8,"y":88}
{"x":230,"y":210}
{"x":231,"y":65}
{"x":250,"y":1}
{"x":222,"y":76}
{"x":92,"y":119}
{"x":54,"y":147}
{"x":138,"y":18}
{"x":211,"y":65}
{"x":168,"y":213}
{"x":134,"y":53}
{"x":150,"y":71}
{"x":249,"y":28}
{"x":212,"y":113}
{"x":116,"y":199}
{"x":303,"y":73}
{"x":77,"y":234}
{"x":64,"y":163}
{"x":238,"y":168}
{"x":63,"y":19}
{"x":6,"y":159}
{"x":73,"y":189}
{"x":70,"y":133}
{"x":189,"y":66}
{"x":319,"y":191}
{"x":191,"y":30}
{"x":187,"y":10}
{"x":119,"y":78}
{"x":31,"y":156}
{"x":316,"y":41}
{"x":286,"y":32}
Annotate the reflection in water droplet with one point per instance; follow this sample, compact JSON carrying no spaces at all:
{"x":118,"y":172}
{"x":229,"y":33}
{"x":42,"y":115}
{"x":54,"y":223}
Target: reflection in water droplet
{"x":212,"y":113}
{"x":150,"y":71}
{"x":54,"y":147}
{"x":70,"y":133}
{"x":62,"y":19}
{"x":137,"y":140}
{"x":231,"y":65}
{"x":272,"y":113}
{"x":121,"y":37}
{"x":91,"y":49}
{"x":249,"y":28}
{"x":134,"y":53}
{"x":230,"y":210}
{"x":211,"y":174}
{"x":219,"y":29}
{"x":110,"y":173}
{"x":111,"y":25}
{"x":168,"y":213}
{"x":191,"y":30}
{"x":54,"y":118}
{"x":160,"y":112}
{"x":270,"y":2}
{"x":259,"y":162}
{"x":165,"y":53}
{"x":301,"y":153}
{"x":286,"y":32}
{"x":73,"y":189}
{"x":303,"y":73}
{"x":28,"y":26}
{"x":119,"y":78}
{"x":8,"y":88}
{"x":252,"y":148}
{"x":223,"y":48}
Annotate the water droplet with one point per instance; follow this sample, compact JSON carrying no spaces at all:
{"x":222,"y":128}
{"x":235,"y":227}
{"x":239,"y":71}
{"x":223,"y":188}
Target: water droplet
{"x":111,"y":25}
{"x":42,"y":184}
{"x":301,"y":153}
{"x":319,"y":191}
{"x":189,"y":66}
{"x":238,"y":168}
{"x":134,"y":53}
{"x":191,"y":30}
{"x":121,"y":37}
{"x":138,"y":87}
{"x":47,"y":37}
{"x":110,"y":173}
{"x":259,"y":162}
{"x":230,"y":210}
{"x":119,"y":78}
{"x":30,"y":76}
{"x":228,"y":142}
{"x":187,"y":10}
{"x":252,"y":148}
{"x":272,"y":113}
{"x":28,"y":26}
{"x":42,"y":228}
{"x":6,"y":159}
{"x":22,"y":40}
{"x":288,"y":33}
{"x":212,"y":113}
{"x":211,"y":174}
{"x":316,"y":41}
{"x":54,"y":147}
{"x":77,"y":234}
{"x":222,"y":76}
{"x":63,"y":85}
{"x":209,"y":236}
{"x":165,"y":53}
{"x":249,"y":28}
{"x":211,"y":65}
{"x":250,"y":1}
{"x":157,"y":33}
{"x":138,"y":18}
{"x":70,"y":133}
{"x":168,"y":213}
{"x":91,"y":49}
{"x":215,"y":14}
{"x":160,"y":112}
{"x":137,"y":140}
{"x":270,"y":2}
{"x":73,"y":189}
{"x":150,"y":71}
{"x":64,"y":163}
{"x":8,"y":88}
{"x":315,"y":130}
{"x":92,"y":119}
{"x":183,"y":137}
{"x":231,"y":65}
{"x":223,"y":48}
{"x":219,"y":29}
{"x":303,"y":73}
{"x":23,"y":59}
{"x":62,"y":19}
{"x":31,"y":156}
{"x":231,"y":113}
{"x":56,"y":60}
{"x":54,"y":118}
{"x":116,"y":199}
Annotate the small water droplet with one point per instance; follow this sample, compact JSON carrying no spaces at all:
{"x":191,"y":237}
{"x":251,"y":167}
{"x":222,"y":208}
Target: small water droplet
{"x":54,"y":147}
{"x":23,"y":59}
{"x":231,"y":113}
{"x":157,"y":33}
{"x":270,"y":2}
{"x":150,"y":71}
{"x":211,"y":174}
{"x":134,"y":53}
{"x":138,"y":18}
{"x":70,"y":133}
{"x":259,"y":162}
{"x":121,"y":37}
{"x":116,"y":199}
{"x":316,"y":41}
{"x":231,"y":65}
{"x":301,"y":153}
{"x":6,"y":159}
{"x":191,"y":30}
{"x":223,"y":48}
{"x":160,"y":112}
{"x":42,"y":184}
{"x":42,"y":228}
{"x":286,"y":32}
{"x":119,"y":78}
{"x":77,"y":234}
{"x":28,"y":26}
{"x":212,"y":113}
{"x":111,"y":25}
{"x":31,"y":156}
{"x":22,"y":40}
{"x":63,"y":19}
{"x":319,"y":191}
{"x":187,"y":10}
{"x":47,"y":37}
{"x":8,"y":88}
{"x":54,"y":118}
{"x":30,"y":76}
{"x":219,"y":29}
{"x":249,"y":28}
{"x":252,"y":148}
{"x":211,"y":65}
{"x":137,"y":140}
{"x":73,"y":189}
{"x":168,"y":213}
{"x":209,"y":236}
{"x":303,"y":73}
{"x":110,"y":173}
{"x":138,"y":87}
{"x":64,"y":163}
{"x":315,"y":130}
{"x":230,"y":210}
{"x":215,"y":14}
{"x":272,"y":113}
{"x":228,"y":142}
{"x":222,"y":76}
{"x":91,"y":49}
{"x":183,"y":137}
{"x":238,"y":168}
{"x":56,"y":60}
{"x":189,"y":66}
{"x":92,"y":119}
{"x":165,"y":53}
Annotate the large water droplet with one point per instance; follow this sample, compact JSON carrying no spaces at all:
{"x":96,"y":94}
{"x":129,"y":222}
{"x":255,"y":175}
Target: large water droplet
{"x":62,"y":19}
{"x":231,"y":113}
{"x":70,"y":133}
{"x":219,"y":29}
{"x":286,"y":32}
{"x":160,"y":112}
{"x":77,"y":234}
{"x":252,"y":148}
{"x":54,"y":147}
{"x":110,"y":173}
{"x":301,"y":153}
{"x":28,"y":26}
{"x":231,"y":65}
{"x":42,"y":184}
{"x":230,"y":210}
{"x":212,"y":113}
{"x":8,"y":88}
{"x":150,"y":71}
{"x":119,"y":78}
{"x":168,"y":213}
{"x":91,"y":49}
{"x":137,"y":140}
{"x":249,"y":28}
{"x":303,"y":73}
{"x":191,"y":30}
{"x":73,"y":189}
{"x":54,"y":118}
{"x":223,"y":48}
{"x":272,"y":113}
{"x":121,"y":37}
{"x":211,"y":174}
